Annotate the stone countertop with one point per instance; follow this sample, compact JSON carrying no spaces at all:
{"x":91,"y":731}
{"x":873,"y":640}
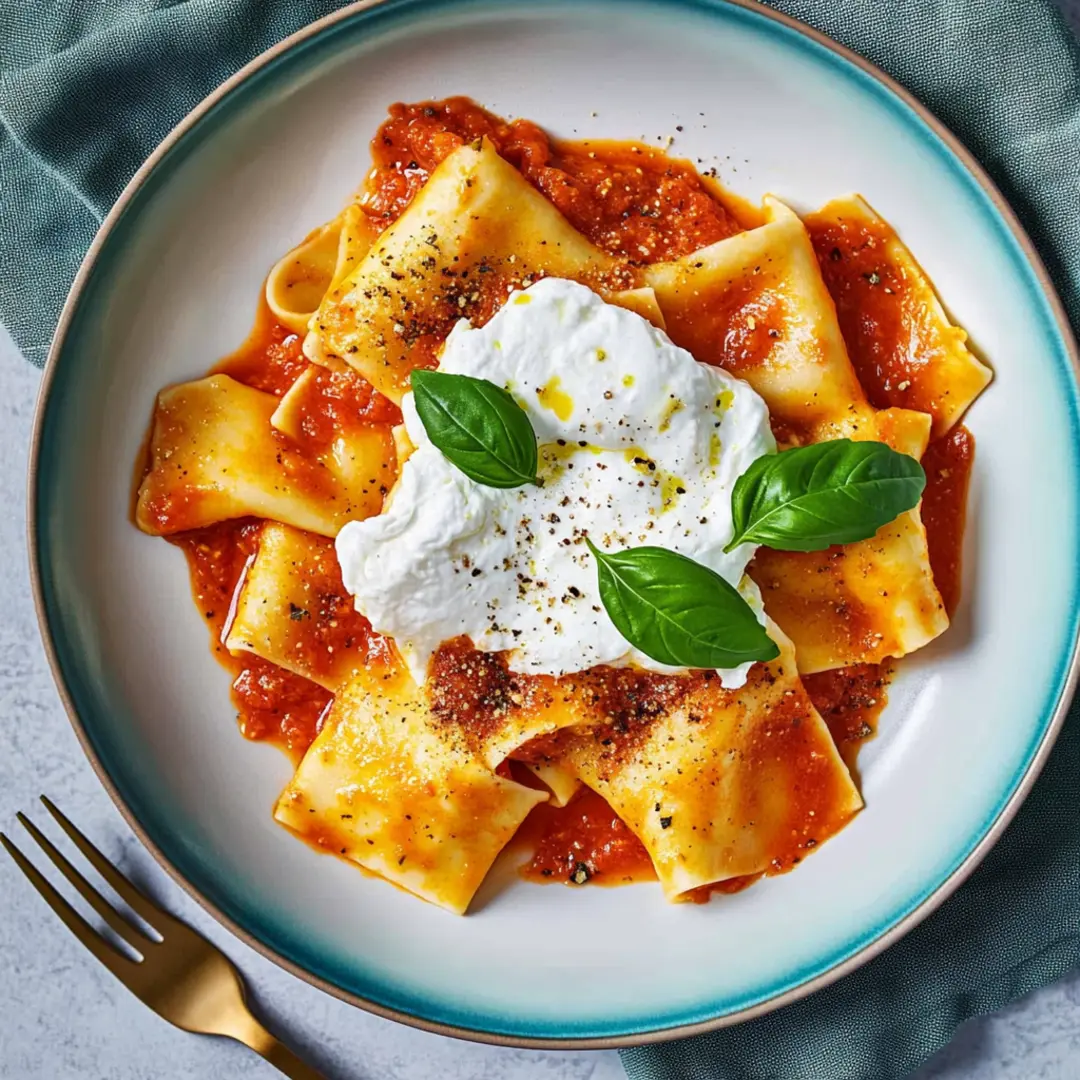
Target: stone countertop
{"x":64,"y":1017}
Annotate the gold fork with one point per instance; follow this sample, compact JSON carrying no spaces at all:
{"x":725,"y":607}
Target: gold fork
{"x":182,"y":977}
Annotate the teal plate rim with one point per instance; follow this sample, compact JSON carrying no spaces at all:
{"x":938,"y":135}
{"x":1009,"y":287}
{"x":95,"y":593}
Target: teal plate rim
{"x":309,"y":45}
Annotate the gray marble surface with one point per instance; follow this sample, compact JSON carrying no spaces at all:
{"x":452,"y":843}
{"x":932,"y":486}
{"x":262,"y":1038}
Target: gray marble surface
{"x":62,"y":1016}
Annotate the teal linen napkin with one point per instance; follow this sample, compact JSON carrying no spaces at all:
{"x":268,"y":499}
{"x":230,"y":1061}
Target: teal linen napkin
{"x":87,"y":89}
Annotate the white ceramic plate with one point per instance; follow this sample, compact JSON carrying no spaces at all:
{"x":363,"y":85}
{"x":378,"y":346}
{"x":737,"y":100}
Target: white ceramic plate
{"x":171,"y":285}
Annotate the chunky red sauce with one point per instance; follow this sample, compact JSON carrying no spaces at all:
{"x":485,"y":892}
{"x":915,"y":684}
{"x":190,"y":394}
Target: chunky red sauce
{"x":629,"y":199}
{"x":271,"y":359}
{"x":583,"y":842}
{"x":948,"y":462}
{"x":274,"y":704}
{"x":884,"y":322}
{"x":850,"y":701}
{"x":332,"y":402}
{"x":634,"y":202}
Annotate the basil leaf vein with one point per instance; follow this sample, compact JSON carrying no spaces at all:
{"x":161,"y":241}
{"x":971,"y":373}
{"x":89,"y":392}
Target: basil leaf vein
{"x":811,"y":497}
{"x":477,"y":426}
{"x":677,"y":611}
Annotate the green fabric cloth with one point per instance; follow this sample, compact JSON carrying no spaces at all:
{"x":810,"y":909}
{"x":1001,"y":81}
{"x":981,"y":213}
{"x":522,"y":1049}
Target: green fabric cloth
{"x":89,"y":87}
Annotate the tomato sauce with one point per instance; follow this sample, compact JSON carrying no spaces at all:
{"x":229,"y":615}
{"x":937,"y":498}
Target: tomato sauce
{"x":850,"y":701}
{"x":948,"y":462}
{"x":634,"y":202}
{"x":881,"y":318}
{"x":331,"y":402}
{"x":271,"y":359}
{"x":272,"y":704}
{"x":631,"y":200}
{"x":583,"y":842}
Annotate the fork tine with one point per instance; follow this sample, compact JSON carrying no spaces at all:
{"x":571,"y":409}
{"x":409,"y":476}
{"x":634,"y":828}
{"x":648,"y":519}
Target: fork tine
{"x":131,"y":934}
{"x":123,"y":968}
{"x":131,"y":896}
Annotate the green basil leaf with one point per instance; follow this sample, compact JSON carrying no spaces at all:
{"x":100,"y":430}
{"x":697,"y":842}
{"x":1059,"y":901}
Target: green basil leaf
{"x":677,"y":611}
{"x":478,"y":427}
{"x":811,"y":497}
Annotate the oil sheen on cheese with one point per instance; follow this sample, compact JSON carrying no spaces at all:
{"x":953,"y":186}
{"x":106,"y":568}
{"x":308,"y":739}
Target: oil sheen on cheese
{"x":639,"y":445}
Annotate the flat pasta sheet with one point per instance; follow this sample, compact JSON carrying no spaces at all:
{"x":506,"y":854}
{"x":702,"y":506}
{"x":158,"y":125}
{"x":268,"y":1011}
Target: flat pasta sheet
{"x":719,"y":784}
{"x":855,"y":604}
{"x":904,"y":349}
{"x":214,"y":455}
{"x":756,"y":305}
{"x":384,"y":786}
{"x":292,"y":610}
{"x":299,"y":282}
{"x":476,"y":231}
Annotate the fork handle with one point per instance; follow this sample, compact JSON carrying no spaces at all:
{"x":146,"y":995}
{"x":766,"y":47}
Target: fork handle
{"x":284,"y":1060}
{"x":253,"y":1035}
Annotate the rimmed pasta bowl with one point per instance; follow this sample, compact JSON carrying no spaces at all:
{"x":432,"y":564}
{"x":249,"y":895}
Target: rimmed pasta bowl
{"x":169,"y":288}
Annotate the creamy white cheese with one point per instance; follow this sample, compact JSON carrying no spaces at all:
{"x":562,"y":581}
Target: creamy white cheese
{"x":639,"y":444}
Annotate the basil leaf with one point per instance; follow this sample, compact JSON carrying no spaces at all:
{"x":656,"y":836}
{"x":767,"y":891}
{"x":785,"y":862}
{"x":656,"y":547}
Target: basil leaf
{"x":677,"y":611}
{"x":811,"y":497}
{"x":478,"y":427}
